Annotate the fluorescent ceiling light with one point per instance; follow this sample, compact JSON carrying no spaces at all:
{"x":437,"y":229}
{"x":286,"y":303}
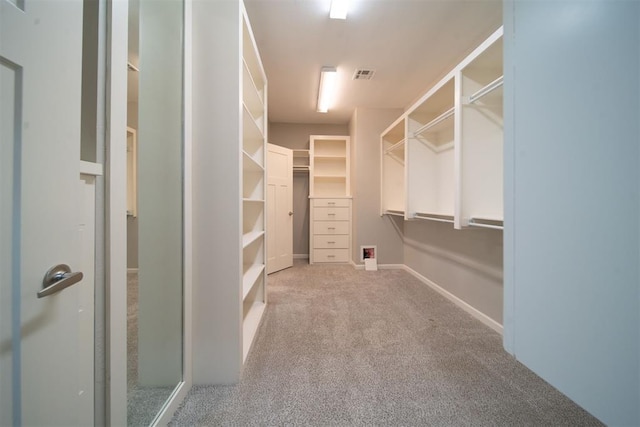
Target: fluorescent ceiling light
{"x":338,"y":9}
{"x":327,"y":90}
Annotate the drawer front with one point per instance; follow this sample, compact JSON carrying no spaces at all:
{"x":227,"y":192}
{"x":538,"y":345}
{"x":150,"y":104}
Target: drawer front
{"x":331,"y":203}
{"x":330,"y":227}
{"x":331,"y":214}
{"x":326,"y":242}
{"x":331,"y":255}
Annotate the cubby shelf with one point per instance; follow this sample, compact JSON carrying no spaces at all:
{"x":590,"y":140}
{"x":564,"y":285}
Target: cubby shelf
{"x":442,"y":159}
{"x":251,"y":274}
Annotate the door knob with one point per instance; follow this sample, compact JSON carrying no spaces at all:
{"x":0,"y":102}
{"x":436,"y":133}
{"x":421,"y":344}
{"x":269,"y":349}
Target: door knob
{"x":57,"y":278}
{"x":290,"y":213}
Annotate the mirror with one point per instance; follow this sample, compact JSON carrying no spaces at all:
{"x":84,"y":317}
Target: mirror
{"x":155,"y":207}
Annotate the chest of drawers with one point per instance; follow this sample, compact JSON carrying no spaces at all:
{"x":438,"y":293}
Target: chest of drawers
{"x":330,"y":231}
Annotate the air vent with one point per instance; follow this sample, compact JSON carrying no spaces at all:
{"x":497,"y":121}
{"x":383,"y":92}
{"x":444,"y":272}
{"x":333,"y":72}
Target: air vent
{"x":363,"y":74}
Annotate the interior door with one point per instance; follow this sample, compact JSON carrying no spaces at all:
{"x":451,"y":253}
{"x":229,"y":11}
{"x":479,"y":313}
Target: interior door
{"x":46,"y":368}
{"x":279,"y":208}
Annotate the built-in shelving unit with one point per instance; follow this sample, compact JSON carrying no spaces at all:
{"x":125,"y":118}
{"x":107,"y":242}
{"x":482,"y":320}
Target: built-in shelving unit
{"x":229,"y":123}
{"x":442,"y":159}
{"x":301,"y":161}
{"x":329,"y":166}
{"x":430,"y":176}
{"x":254,"y":124}
{"x":481,"y":138}
{"x":330,"y":194}
{"x":392,"y":158}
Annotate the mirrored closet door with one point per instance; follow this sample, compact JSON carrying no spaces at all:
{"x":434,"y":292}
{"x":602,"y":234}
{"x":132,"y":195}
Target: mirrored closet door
{"x":155,"y":207}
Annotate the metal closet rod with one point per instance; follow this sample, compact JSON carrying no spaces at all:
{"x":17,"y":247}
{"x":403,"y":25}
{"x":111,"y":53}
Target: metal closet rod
{"x":442,"y":117}
{"x":486,"y":90}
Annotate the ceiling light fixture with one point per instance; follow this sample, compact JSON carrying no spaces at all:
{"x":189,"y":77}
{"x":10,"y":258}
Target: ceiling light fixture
{"x":327,"y":89}
{"x":338,"y":9}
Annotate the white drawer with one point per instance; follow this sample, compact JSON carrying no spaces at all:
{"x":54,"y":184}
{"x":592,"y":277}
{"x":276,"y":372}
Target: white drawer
{"x":330,"y":227}
{"x":331,"y":255}
{"x":330,"y":203}
{"x":339,"y":241}
{"x":331,"y":214}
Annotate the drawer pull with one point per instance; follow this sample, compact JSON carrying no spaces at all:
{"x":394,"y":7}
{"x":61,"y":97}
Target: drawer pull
{"x":331,"y":256}
{"x":331,"y":203}
{"x":331,"y":243}
{"x":331,"y":228}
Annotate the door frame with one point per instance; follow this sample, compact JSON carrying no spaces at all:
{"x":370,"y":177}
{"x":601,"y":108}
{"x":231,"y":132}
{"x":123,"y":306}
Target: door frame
{"x":115,"y":261}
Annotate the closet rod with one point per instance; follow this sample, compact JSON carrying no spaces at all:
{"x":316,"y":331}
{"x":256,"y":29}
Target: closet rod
{"x":395,"y":146}
{"x":434,"y":217}
{"x":486,"y":90}
{"x":442,"y":117}
{"x":486,"y":223}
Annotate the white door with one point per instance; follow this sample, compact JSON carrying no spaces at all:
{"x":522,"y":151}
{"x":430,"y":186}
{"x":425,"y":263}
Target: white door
{"x":279,"y":208}
{"x":46,"y":343}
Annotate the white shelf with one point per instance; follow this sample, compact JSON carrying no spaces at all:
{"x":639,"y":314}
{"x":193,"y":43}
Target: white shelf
{"x":329,"y":166}
{"x":250,"y":324}
{"x":251,"y":95}
{"x":250,"y":200}
{"x":250,"y":164}
{"x":251,"y":237}
{"x":249,"y":279}
{"x":394,"y":212}
{"x":254,"y":132}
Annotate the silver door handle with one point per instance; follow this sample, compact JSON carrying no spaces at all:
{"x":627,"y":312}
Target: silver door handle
{"x":290,"y":213}
{"x":57,"y":278}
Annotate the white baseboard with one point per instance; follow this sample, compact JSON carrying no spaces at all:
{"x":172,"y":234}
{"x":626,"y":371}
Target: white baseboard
{"x":380,"y":266}
{"x":300,"y":256}
{"x":457,"y":301}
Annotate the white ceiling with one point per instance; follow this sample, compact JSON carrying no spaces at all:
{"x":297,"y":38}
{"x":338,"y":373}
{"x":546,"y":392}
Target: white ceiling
{"x":410,"y":43}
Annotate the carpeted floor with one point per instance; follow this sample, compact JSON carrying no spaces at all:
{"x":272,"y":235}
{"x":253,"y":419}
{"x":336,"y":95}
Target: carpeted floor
{"x":343,"y":347}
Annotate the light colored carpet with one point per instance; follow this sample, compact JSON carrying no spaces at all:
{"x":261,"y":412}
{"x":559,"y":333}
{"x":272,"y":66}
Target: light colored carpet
{"x":344,"y":347}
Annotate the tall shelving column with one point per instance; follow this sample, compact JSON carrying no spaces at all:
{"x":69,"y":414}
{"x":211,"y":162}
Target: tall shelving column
{"x":392,"y":165}
{"x":481,"y":137}
{"x":229,"y":190}
{"x":330,"y":197}
{"x":430,"y":156}
{"x":254,"y":125}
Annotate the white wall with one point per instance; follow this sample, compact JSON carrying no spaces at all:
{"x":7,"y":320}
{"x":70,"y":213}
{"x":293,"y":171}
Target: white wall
{"x":369,"y":228}
{"x":466,"y":263}
{"x":572,"y":196}
{"x":216,"y":174}
{"x":296,"y":136}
